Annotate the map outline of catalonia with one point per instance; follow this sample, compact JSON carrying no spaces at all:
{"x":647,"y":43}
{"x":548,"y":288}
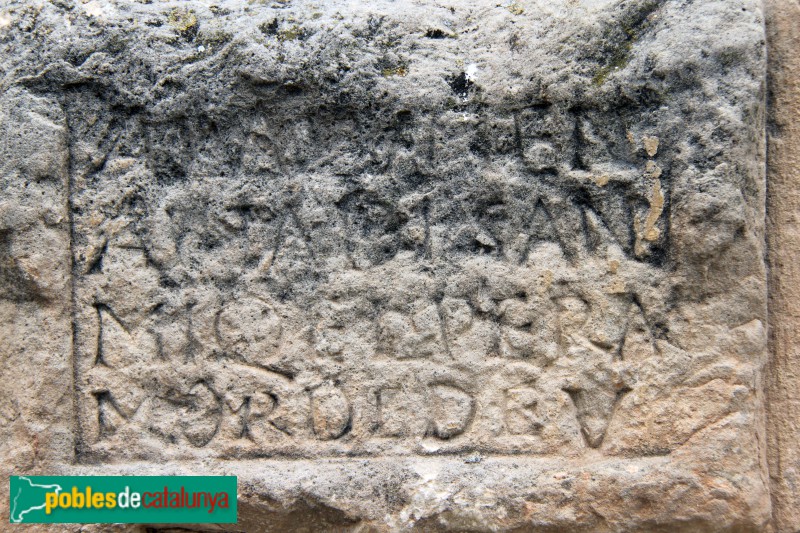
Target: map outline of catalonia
{"x":18,"y":517}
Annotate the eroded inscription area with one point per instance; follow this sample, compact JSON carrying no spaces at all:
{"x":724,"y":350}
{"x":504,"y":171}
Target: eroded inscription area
{"x":468,"y":279}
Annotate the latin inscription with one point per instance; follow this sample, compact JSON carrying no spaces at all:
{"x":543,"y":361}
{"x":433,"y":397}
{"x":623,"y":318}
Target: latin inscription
{"x":386,"y":305}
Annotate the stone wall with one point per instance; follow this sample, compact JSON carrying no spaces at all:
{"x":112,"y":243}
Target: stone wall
{"x":445,"y":267}
{"x":783,"y":236}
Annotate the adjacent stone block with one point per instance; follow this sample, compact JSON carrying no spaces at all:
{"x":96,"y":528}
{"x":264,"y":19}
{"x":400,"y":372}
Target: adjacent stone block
{"x":783,"y":378}
{"x":430,"y":266}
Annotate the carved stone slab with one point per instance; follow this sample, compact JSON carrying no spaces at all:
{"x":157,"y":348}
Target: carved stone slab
{"x":463,"y":266}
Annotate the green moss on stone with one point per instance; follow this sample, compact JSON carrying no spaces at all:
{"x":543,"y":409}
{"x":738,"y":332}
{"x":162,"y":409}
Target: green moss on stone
{"x":183,"y":20}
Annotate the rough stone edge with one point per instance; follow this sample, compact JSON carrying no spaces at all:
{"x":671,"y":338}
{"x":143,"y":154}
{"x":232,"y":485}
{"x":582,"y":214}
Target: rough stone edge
{"x":783,"y":235}
{"x":39,"y":411}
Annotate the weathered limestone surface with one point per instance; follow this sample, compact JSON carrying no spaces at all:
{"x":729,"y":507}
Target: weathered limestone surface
{"x":397,"y":266}
{"x":783,"y":391}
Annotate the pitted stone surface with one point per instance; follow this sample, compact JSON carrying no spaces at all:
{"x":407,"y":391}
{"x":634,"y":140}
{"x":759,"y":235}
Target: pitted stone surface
{"x":401,"y":265}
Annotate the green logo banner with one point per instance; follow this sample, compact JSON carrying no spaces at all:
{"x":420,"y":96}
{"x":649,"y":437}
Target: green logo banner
{"x":122,"y":499}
